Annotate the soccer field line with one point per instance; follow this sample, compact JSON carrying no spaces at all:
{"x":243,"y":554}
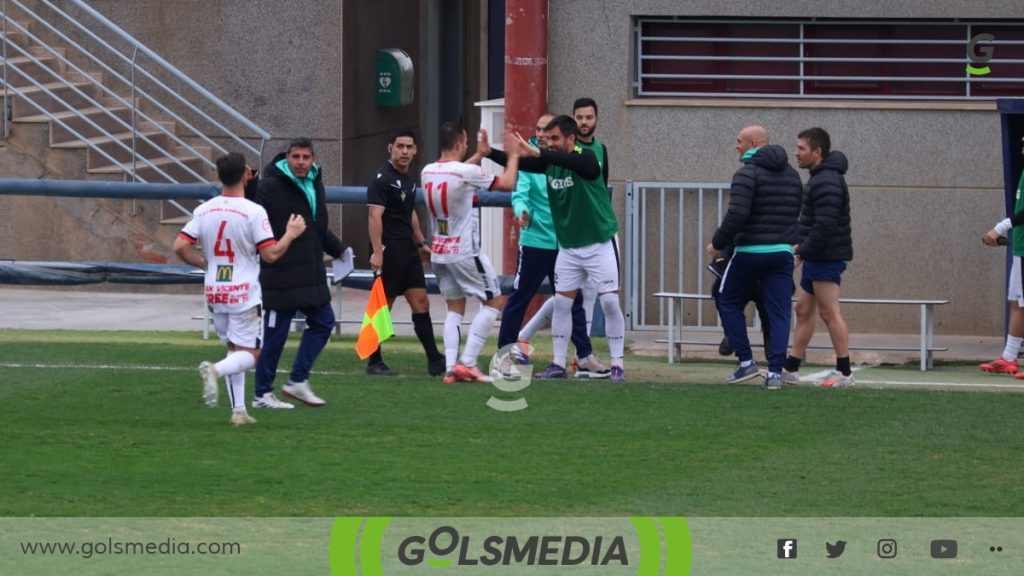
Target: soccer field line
{"x":944,"y":385}
{"x":132,"y":367}
{"x":932,"y":385}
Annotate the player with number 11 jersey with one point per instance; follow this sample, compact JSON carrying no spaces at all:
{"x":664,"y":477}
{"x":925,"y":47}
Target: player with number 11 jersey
{"x":450,"y":187}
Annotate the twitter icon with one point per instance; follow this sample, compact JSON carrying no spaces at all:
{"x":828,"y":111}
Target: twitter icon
{"x":835,"y":550}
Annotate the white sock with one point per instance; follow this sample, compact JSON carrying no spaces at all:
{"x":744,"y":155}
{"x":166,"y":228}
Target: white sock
{"x":452,"y":338}
{"x":589,"y":297}
{"x":746,"y":363}
{"x":236,"y":390}
{"x":614,"y":326}
{"x":561,"y":328}
{"x":479,"y":330}
{"x":235,"y":362}
{"x":1012,"y":348}
{"x":538,"y":322}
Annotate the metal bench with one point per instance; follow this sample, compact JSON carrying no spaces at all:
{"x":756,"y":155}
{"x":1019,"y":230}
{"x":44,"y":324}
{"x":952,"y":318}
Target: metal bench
{"x":925,"y":349}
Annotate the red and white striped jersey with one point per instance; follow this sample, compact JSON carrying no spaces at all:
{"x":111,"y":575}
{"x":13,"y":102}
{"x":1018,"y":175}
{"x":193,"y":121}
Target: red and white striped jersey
{"x":231,"y":230}
{"x":450,"y":187}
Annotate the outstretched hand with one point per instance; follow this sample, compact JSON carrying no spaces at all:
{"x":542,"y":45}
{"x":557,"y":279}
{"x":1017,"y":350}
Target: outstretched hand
{"x":524,"y":148}
{"x":483,"y":144}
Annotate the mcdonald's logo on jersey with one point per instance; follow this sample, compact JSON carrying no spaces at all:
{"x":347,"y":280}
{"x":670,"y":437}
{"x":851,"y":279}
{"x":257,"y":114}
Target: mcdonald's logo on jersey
{"x":225,"y":273}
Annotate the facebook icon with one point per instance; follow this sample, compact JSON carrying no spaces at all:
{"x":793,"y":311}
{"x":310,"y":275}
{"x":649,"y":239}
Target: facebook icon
{"x":787,"y":548}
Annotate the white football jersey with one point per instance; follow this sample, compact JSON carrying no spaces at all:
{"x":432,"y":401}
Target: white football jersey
{"x":450,"y":187}
{"x":231,"y":230}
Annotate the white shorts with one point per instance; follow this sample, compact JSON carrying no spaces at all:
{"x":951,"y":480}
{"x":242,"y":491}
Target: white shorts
{"x":1014,"y":287}
{"x":470,"y":277}
{"x":243,"y":329}
{"x":596,"y":264}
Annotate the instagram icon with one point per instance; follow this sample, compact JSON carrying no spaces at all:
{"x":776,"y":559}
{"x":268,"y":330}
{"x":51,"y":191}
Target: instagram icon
{"x":887,"y":548}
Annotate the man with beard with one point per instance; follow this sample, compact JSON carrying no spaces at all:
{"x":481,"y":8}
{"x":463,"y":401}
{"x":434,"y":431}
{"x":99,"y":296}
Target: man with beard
{"x":586,"y":229}
{"x":538,"y":250}
{"x":584,"y":112}
{"x":826,"y":245}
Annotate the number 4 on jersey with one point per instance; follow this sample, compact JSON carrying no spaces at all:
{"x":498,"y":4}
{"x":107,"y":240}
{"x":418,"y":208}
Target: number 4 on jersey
{"x":222,"y":247}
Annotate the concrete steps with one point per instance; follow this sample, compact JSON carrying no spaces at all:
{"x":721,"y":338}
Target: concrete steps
{"x":80,"y":114}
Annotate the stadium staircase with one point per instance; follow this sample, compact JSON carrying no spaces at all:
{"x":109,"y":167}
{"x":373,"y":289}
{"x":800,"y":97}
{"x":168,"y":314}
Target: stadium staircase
{"x":76,"y":81}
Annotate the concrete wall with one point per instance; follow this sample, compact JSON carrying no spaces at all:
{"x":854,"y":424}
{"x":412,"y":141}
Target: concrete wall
{"x":919,"y":205}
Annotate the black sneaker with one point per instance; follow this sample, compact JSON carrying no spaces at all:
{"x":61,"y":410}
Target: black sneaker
{"x":380,"y":369}
{"x":437,"y":367}
{"x":725,"y":347}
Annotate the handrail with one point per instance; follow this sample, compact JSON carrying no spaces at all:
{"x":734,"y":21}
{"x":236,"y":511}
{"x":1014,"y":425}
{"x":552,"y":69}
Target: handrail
{"x":94,"y":102}
{"x":98,"y":49}
{"x":115,"y":95}
{"x":7,"y":123}
{"x":169,"y":67}
{"x":63,"y":124}
{"x":138,"y":90}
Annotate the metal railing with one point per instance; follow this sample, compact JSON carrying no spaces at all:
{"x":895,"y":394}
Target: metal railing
{"x":73,"y":58}
{"x":667,"y":225}
{"x":815,"y":58}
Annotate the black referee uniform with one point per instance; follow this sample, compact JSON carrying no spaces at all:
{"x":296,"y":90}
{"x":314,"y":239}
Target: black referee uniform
{"x":402,"y":268}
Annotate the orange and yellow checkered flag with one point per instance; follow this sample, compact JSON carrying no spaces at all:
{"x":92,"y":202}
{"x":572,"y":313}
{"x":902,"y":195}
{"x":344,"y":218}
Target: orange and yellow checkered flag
{"x":377,"y":326}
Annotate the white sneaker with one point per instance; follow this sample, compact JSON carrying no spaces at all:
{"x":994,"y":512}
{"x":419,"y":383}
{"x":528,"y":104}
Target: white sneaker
{"x":301,"y":392}
{"x":836,"y":379}
{"x":268,"y":400}
{"x":211,"y":391}
{"x":790,"y":378}
{"x":241,"y":419}
{"x":591,"y":367}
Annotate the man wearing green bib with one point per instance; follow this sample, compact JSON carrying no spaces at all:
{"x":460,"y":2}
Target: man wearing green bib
{"x":1007,"y":363}
{"x":585,"y":226}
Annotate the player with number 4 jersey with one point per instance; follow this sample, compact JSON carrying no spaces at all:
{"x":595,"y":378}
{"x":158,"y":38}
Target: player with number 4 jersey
{"x":238,"y":228}
{"x":234,"y":233}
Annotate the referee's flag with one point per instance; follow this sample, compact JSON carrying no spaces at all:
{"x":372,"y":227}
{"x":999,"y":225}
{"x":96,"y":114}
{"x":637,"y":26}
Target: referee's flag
{"x":377,"y":325}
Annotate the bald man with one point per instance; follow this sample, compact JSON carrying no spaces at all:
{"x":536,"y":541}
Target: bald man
{"x":762,"y":226}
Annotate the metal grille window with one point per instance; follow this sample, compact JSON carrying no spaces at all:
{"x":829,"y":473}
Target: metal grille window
{"x":830,"y":59}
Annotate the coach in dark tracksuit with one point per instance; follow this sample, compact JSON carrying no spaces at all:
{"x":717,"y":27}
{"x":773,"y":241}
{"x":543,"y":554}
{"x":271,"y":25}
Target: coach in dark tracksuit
{"x":292,"y":183}
{"x":762,"y":226}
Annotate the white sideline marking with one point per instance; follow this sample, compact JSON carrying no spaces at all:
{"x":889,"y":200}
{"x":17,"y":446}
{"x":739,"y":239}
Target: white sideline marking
{"x":822,"y":374}
{"x":964,"y":385}
{"x":132,"y":367}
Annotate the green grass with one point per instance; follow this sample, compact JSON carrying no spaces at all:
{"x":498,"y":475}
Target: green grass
{"x":103,"y":434}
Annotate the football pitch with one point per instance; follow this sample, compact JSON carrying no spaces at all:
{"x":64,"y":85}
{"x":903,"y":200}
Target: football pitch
{"x":112,"y":424}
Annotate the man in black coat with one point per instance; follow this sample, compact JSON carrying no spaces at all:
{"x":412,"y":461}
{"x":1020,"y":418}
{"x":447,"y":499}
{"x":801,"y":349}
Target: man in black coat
{"x":292,"y":183}
{"x":826,"y":245}
{"x":762,"y":226}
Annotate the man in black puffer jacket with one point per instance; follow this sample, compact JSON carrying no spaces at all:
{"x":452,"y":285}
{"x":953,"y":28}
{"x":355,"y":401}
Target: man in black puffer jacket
{"x":292,"y":183}
{"x":762,"y":226}
{"x":826,"y":245}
